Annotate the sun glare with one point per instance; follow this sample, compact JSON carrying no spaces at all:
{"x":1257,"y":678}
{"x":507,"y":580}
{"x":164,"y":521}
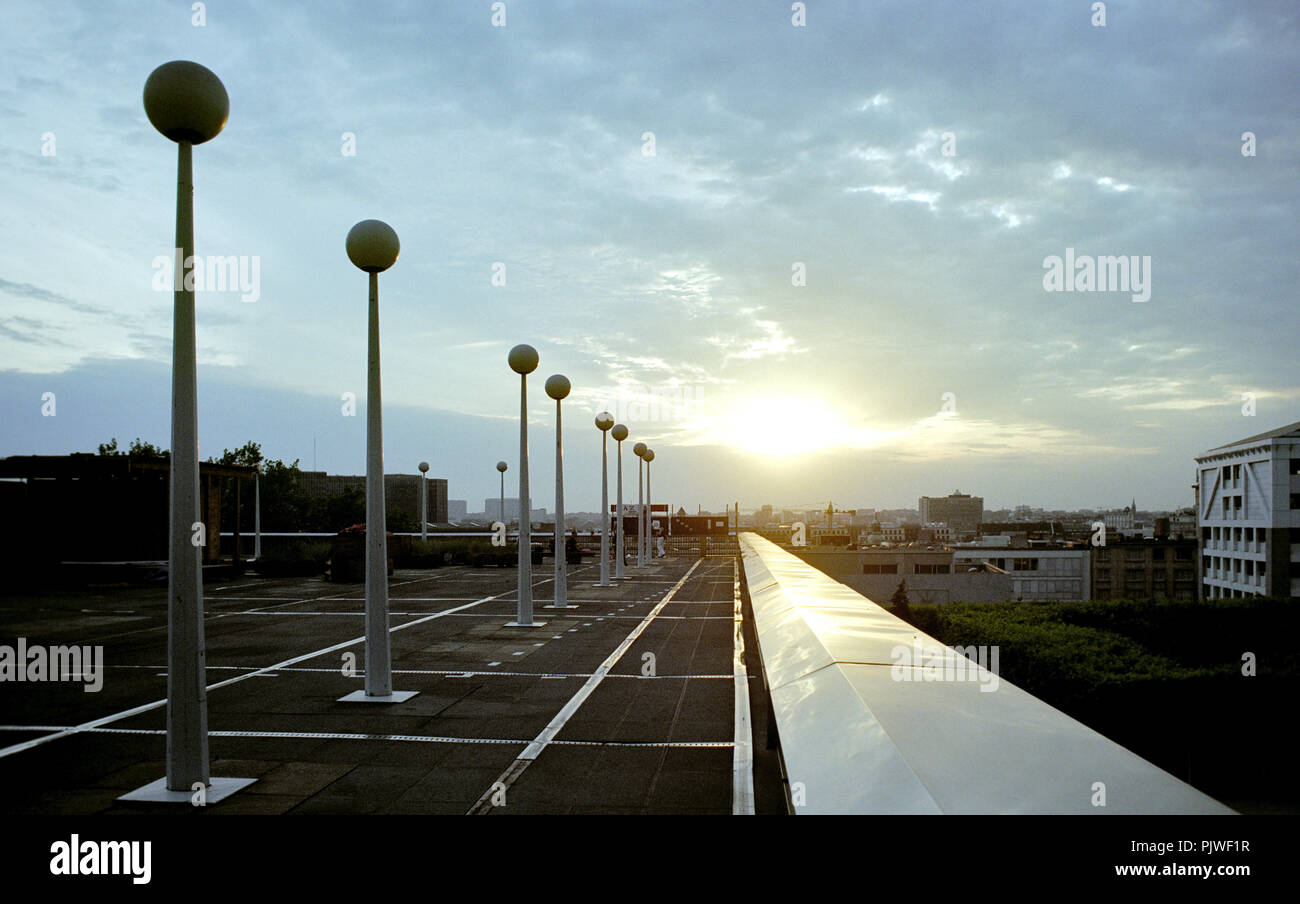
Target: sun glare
{"x":782,"y":426}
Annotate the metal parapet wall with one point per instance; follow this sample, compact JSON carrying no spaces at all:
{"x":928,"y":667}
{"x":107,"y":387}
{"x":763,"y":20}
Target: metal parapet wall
{"x":876,"y":717}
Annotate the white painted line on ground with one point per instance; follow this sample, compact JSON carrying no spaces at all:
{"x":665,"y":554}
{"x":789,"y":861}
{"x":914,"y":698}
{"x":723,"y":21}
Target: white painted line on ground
{"x":453,"y":673}
{"x":96,"y":723}
{"x":547,"y":735}
{"x":426,"y":739}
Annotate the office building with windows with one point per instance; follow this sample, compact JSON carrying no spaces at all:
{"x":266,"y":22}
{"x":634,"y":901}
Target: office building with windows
{"x":1145,"y":569}
{"x":1037,"y":573}
{"x":1248,"y":514}
{"x":960,"y":511}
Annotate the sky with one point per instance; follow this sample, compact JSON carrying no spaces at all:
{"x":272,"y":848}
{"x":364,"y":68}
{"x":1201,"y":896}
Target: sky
{"x":803,"y":262}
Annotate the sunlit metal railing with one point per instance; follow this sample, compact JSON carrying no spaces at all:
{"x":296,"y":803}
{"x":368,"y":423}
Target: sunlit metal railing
{"x":874,"y":716}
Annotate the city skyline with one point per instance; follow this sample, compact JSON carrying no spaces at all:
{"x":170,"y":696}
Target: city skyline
{"x":823,"y":257}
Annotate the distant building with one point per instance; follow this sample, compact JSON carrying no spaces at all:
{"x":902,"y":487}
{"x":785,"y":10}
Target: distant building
{"x":492,"y":508}
{"x":1121,"y":519}
{"x":1183,"y":523}
{"x":457,"y":509}
{"x":935,"y":533}
{"x":1061,"y":573}
{"x":1248,"y":511}
{"x":930,"y":575}
{"x":1141,"y":569}
{"x":821,"y":535}
{"x":401,"y":491}
{"x":960,"y":511}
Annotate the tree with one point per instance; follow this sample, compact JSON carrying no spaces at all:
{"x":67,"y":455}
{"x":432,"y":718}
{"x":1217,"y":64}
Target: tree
{"x":138,"y":449}
{"x":249,"y":454}
{"x":902,"y":608}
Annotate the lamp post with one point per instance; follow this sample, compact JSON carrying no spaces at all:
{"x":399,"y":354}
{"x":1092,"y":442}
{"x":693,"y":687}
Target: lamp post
{"x":501,"y":466}
{"x":619,"y":433}
{"x":188,"y":104}
{"x":372,"y":246}
{"x":558,"y":388}
{"x":257,"y":513}
{"x":604,"y":421}
{"x":523,"y":360}
{"x":639,"y":451}
{"x":424,"y":502}
{"x":649,"y":508}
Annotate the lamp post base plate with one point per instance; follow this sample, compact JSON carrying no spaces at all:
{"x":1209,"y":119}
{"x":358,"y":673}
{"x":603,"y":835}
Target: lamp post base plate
{"x":515,"y":624}
{"x":157,"y":793}
{"x":362,"y":697}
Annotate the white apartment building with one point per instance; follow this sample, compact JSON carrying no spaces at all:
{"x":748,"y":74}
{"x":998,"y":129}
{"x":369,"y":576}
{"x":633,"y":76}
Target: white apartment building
{"x":1037,"y":574}
{"x":1248,"y":513}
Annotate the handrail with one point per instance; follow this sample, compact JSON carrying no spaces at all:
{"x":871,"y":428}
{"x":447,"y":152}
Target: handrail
{"x":874,"y":716}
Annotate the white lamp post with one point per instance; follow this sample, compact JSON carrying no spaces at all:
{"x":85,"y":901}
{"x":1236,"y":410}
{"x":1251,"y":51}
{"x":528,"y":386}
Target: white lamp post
{"x":649,"y":508}
{"x":372,"y":246}
{"x":523,"y":360}
{"x":639,"y":451}
{"x":604,"y":421}
{"x":619,"y":433}
{"x":257,"y":513}
{"x":558,"y":388}
{"x":424,"y":502}
{"x":501,"y":466}
{"x":187,"y":103}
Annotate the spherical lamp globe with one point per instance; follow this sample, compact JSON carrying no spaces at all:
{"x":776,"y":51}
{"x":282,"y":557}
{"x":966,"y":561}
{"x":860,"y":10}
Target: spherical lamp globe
{"x":523,"y":359}
{"x":186,"y":102}
{"x":373,"y":246}
{"x":558,"y":386}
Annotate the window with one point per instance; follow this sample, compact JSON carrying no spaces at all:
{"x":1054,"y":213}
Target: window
{"x":1236,"y":474}
{"x":1102,"y":554}
{"x":1205,"y":534}
{"x":930,"y":568}
{"x":1158,"y":575}
{"x":891,"y":568}
{"x":1133,"y":555}
{"x":1295,"y":500}
{"x":1134,"y":576}
{"x":1024,"y":564}
{"x":1295,"y":466}
{"x":1184,"y":554}
{"x":1157,"y":555}
{"x":1103,"y":574}
{"x":1184,"y":574}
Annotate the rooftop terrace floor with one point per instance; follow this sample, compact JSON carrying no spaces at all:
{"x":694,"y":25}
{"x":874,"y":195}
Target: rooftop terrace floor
{"x":606,"y":735}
